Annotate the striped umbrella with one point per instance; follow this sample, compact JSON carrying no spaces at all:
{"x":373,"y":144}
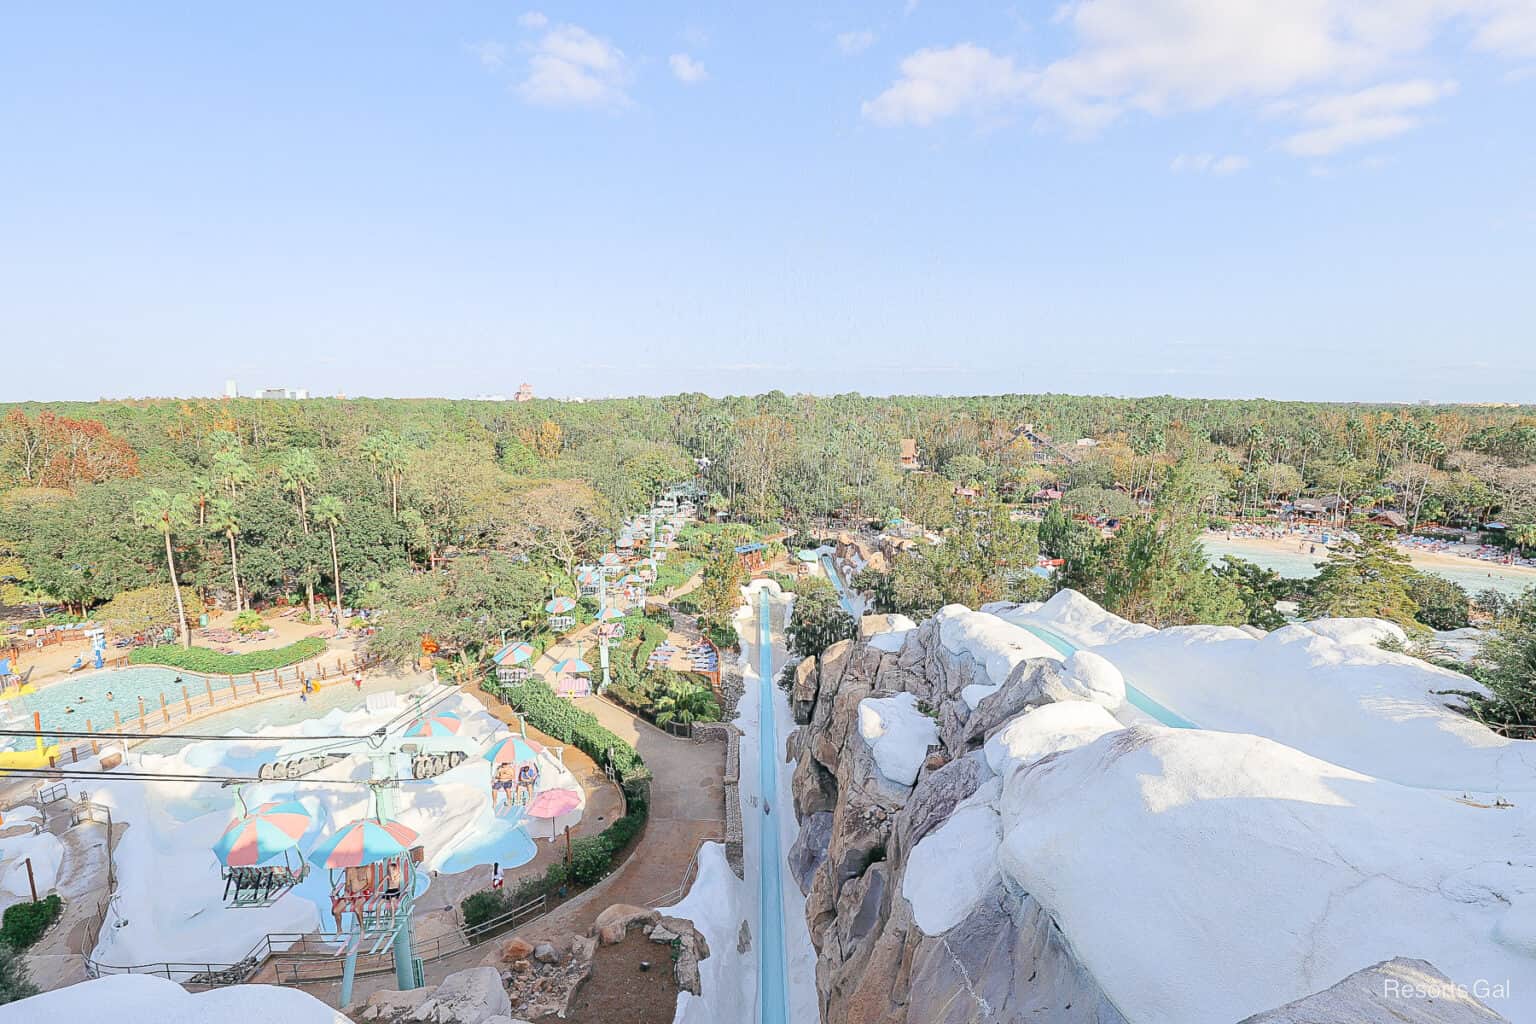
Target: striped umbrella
{"x":630,"y":580}
{"x":269,"y":830}
{"x":444,"y":723}
{"x":559,"y":605}
{"x":514,"y":750}
{"x":364,"y":842}
{"x":610,"y":559}
{"x":609,"y":615}
{"x":587,"y":576}
{"x":515,"y":653}
{"x":568,"y":666}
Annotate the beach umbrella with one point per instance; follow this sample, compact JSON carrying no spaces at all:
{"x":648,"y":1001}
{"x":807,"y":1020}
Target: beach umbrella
{"x":363,"y":842}
{"x":516,"y":653}
{"x":567,"y":666}
{"x":630,"y":580}
{"x":444,"y":723}
{"x":609,"y":615}
{"x":269,"y":830}
{"x":559,"y":605}
{"x":589,"y":575}
{"x":513,"y":750}
{"x":553,"y":803}
{"x":610,"y":558}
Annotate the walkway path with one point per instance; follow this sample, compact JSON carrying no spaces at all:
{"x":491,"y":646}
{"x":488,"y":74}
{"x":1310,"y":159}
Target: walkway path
{"x":687,"y":807}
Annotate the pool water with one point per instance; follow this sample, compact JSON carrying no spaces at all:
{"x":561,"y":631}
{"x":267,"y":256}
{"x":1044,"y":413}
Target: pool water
{"x":1473,"y":577}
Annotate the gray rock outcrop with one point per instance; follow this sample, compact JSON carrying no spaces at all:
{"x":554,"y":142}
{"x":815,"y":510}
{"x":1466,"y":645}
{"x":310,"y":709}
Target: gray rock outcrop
{"x":1400,"y":991}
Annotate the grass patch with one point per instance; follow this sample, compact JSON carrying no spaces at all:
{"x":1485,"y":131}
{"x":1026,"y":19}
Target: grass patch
{"x":210,"y":662}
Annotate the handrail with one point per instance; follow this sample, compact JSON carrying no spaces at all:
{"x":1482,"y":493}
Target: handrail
{"x":674,"y":896}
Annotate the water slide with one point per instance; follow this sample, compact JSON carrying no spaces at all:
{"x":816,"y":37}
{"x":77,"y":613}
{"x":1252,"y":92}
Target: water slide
{"x":772,"y":992}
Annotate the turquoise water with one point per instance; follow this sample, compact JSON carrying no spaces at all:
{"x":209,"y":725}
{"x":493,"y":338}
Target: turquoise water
{"x":86,"y":695}
{"x":505,"y":842}
{"x":772,"y":998}
{"x":1138,"y":700}
{"x":1473,"y":577}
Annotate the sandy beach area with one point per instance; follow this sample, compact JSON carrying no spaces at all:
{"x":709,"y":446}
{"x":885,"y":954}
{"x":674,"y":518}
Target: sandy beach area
{"x":1293,"y":546}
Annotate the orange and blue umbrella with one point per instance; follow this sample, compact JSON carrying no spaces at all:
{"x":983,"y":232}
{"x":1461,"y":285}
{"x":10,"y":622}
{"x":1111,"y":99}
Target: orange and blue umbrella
{"x":516,"y":653}
{"x":513,"y":750}
{"x":364,"y":842}
{"x":568,"y":666}
{"x":609,"y":558}
{"x":271,"y":829}
{"x":559,"y":604}
{"x":443,"y":723}
{"x":609,"y":614}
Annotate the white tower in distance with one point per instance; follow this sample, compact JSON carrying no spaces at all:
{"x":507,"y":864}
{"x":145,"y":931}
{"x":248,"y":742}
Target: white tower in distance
{"x":230,"y":390}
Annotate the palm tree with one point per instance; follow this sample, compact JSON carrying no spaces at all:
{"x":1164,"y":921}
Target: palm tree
{"x":388,"y":453}
{"x":167,"y":513}
{"x":329,"y":512}
{"x":686,"y":703}
{"x":202,"y":492}
{"x":1523,"y":536}
{"x":299,"y":472}
{"x":232,"y":471}
{"x":224,"y":520}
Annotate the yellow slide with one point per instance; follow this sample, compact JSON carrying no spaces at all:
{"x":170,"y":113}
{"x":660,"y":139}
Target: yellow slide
{"x":37,"y":758}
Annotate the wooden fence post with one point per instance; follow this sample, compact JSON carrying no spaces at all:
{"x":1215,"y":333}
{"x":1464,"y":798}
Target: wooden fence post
{"x":95,"y":749}
{"x":186,"y":701}
{"x":163,"y":712}
{"x":233,"y":696}
{"x":141,"y":715}
{"x":117,"y":721}
{"x":256,"y":683}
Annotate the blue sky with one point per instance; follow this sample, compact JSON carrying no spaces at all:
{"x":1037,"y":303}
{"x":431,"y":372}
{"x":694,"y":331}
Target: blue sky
{"x":1325,"y":199}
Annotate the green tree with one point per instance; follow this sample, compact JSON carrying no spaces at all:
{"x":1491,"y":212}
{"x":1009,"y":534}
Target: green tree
{"x":15,"y":982}
{"x":1442,"y":604}
{"x":330,"y":513}
{"x":138,"y":611}
{"x":389,"y":456}
{"x":299,"y":473}
{"x":225,"y":520}
{"x":719,"y":592}
{"x":1258,"y":589}
{"x":685,"y":704}
{"x":167,"y":513}
{"x":1368,"y":577}
{"x":819,"y":620}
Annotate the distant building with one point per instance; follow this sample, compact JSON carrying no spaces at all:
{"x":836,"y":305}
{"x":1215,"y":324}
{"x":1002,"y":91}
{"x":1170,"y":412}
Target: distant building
{"x":296,"y":393}
{"x":909,"y":459}
{"x":230,"y":389}
{"x":1393,"y":520}
{"x":524,"y":393}
{"x":1087,"y":442}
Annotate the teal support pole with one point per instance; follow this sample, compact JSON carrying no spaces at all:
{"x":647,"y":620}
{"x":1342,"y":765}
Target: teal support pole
{"x":349,"y":970}
{"x":405,"y":967}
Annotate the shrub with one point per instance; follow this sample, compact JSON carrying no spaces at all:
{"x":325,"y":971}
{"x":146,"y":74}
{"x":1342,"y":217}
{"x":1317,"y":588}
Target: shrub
{"x":248,"y":622}
{"x":1442,"y":604}
{"x":482,"y":906}
{"x":561,"y":720}
{"x":209,"y":662}
{"x":24,"y":923}
{"x":590,"y":859}
{"x":14,"y":982}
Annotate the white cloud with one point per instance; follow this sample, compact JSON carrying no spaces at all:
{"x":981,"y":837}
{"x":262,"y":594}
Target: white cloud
{"x":571,"y":67}
{"x":1368,"y":115}
{"x":1160,"y":57}
{"x":854,"y":43}
{"x":939,"y":83}
{"x":489,"y":53}
{"x":686,"y":69}
{"x":1206,"y":163}
{"x":532,"y":19}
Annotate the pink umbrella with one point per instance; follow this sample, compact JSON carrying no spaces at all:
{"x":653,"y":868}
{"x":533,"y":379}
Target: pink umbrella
{"x":553,"y":803}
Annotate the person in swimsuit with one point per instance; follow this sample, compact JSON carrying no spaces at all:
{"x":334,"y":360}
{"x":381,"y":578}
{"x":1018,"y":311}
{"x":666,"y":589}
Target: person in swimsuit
{"x":504,"y":783}
{"x":527,"y":779}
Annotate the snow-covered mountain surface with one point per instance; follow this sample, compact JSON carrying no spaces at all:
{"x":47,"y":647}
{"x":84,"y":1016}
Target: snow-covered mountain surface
{"x":1057,"y":858}
{"x":144,"y":999}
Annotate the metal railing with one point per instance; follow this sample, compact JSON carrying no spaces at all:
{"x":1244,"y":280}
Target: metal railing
{"x":674,"y":896}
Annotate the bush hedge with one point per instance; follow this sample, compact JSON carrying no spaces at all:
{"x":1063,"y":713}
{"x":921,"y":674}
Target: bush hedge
{"x":556,"y":717}
{"x":210,"y":662}
{"x":24,"y":923}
